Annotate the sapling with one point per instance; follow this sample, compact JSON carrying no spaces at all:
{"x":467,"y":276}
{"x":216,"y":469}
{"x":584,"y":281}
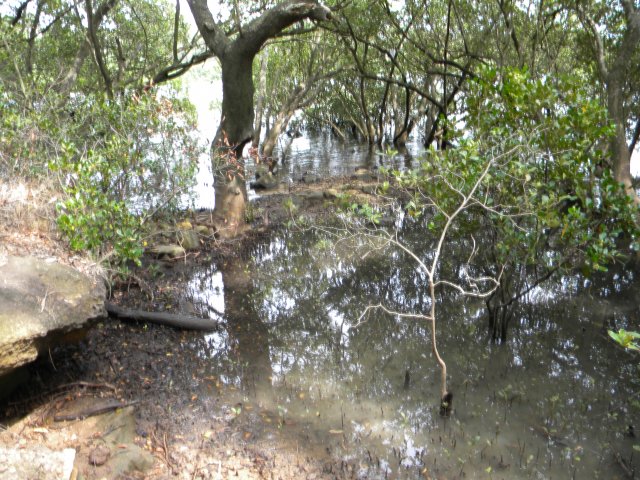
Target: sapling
{"x":469,"y":195}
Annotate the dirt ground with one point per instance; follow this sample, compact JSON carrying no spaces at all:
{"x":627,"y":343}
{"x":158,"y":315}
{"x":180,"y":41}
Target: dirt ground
{"x":187,"y":420}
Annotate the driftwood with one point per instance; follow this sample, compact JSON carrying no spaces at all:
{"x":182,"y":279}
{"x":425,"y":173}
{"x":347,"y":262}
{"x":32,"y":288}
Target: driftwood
{"x":185,"y":322}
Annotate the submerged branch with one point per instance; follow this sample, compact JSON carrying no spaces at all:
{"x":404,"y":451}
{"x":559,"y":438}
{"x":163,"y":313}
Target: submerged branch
{"x":390,"y":312}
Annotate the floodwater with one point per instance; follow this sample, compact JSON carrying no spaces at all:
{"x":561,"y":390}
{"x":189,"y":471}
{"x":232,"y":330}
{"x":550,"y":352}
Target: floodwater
{"x":558,"y":399}
{"x":322,"y":155}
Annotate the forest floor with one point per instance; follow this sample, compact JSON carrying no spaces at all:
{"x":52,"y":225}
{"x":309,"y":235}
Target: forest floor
{"x":186,"y":419}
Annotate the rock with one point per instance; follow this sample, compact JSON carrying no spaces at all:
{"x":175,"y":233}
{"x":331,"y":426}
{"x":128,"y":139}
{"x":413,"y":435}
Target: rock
{"x":203,"y":230}
{"x":36,"y":462}
{"x":99,"y":455}
{"x":331,"y":193}
{"x":189,"y":239}
{"x":185,"y":225}
{"x":40,"y":302}
{"x":120,"y":428}
{"x":265,"y":182}
{"x":312,"y":195}
{"x":310,"y":178}
{"x":172,"y":251}
{"x":364,"y":177}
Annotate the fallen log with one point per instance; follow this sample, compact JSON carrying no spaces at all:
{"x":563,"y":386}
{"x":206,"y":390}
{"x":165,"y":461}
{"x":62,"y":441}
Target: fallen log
{"x":98,"y":409}
{"x":185,"y":322}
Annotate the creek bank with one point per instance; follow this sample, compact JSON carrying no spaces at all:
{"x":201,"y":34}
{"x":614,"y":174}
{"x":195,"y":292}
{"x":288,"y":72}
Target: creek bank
{"x":182,"y":422}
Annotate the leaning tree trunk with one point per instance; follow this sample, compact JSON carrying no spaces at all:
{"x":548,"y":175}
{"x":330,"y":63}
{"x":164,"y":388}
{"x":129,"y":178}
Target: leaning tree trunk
{"x":281,"y":122}
{"x":615,"y":76}
{"x":620,"y":154}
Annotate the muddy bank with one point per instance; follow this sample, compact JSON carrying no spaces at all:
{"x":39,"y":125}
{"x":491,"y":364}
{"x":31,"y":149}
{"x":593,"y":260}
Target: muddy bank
{"x":183,"y":417}
{"x":189,"y":422}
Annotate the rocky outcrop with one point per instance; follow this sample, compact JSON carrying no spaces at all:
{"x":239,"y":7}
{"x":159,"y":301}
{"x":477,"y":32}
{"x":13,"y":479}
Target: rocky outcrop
{"x":36,"y":462}
{"x":40,"y":302}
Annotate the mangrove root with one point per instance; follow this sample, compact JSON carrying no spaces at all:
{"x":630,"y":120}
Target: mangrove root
{"x":185,"y":322}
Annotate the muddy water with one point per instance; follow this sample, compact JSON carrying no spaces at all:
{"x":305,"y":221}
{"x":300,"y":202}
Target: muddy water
{"x":557,"y":400}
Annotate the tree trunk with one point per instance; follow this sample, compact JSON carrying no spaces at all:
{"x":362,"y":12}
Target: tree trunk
{"x":620,"y":154}
{"x":281,"y":122}
{"x":235,"y":130}
{"x":262,"y":81}
{"x":615,"y":77}
{"x":236,"y":125}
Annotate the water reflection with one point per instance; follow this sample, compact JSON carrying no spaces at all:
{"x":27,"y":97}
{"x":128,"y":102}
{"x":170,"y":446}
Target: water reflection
{"x":325,"y":154}
{"x":555,"y":401}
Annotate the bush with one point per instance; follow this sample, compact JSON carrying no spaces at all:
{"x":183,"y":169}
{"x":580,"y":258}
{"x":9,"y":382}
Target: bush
{"x":120,"y":163}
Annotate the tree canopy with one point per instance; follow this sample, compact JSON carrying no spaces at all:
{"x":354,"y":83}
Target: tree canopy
{"x":384,"y":72}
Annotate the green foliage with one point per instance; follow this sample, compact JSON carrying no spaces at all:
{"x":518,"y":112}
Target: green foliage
{"x":120,"y":155}
{"x":625,"y":339}
{"x":369,"y":213}
{"x":549,"y":198}
{"x":558,"y":170}
{"x":121,"y":162}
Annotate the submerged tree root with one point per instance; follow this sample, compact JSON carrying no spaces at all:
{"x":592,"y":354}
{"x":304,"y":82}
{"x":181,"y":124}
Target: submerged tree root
{"x":185,"y":322}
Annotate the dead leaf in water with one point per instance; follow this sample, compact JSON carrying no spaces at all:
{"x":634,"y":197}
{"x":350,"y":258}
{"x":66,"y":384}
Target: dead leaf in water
{"x":336,"y":432}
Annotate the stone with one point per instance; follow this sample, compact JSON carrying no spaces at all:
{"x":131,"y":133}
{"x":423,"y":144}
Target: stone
{"x":172,"y":251}
{"x":36,"y":462}
{"x":310,"y":178}
{"x":331,"y":193}
{"x":364,"y":177}
{"x":312,"y":195}
{"x":99,"y":455}
{"x":119,"y":437}
{"x":41,"y":302}
{"x":266,"y":181}
{"x":189,"y":239}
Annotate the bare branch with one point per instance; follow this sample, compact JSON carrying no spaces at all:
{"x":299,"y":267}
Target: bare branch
{"x":19,"y":11}
{"x":92,"y":27}
{"x":380,"y":306}
{"x":597,"y":43}
{"x":176,"y":30}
